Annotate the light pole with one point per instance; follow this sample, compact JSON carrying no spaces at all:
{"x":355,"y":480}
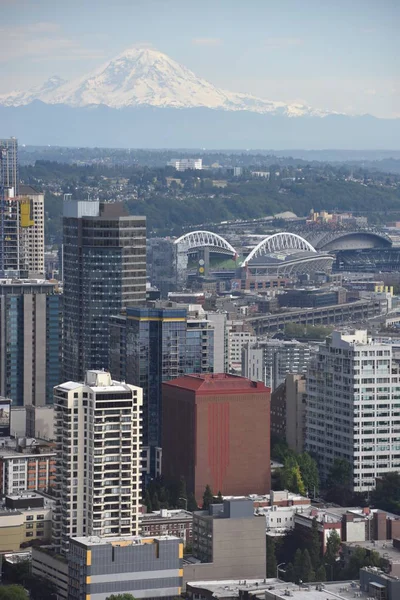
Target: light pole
{"x":185,"y":500}
{"x":277,"y":569}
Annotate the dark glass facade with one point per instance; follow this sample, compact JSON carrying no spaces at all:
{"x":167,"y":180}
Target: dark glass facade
{"x":30,"y":338}
{"x":104,"y":270}
{"x":150,"y":346}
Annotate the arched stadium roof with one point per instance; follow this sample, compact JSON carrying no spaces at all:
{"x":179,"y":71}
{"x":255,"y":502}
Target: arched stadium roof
{"x":279,"y":242}
{"x":205,"y":239}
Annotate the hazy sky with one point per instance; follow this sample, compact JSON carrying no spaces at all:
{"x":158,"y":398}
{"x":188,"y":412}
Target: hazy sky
{"x":334,"y":54}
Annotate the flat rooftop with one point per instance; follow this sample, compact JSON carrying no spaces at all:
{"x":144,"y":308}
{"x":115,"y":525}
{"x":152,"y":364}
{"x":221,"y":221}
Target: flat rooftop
{"x":94,"y":540}
{"x":276,"y":589}
{"x":217,"y":383}
{"x":384,"y":547}
{"x":174,"y":514}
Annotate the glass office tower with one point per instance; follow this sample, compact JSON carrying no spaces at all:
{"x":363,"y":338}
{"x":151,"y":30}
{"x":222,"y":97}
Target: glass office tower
{"x":151,"y":345}
{"x":104,"y":271}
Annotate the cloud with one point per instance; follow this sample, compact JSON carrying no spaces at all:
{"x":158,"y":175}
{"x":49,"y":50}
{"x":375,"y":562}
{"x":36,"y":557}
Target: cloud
{"x":41,"y":41}
{"x":370,"y":92}
{"x":207,"y":42}
{"x":282,"y":42}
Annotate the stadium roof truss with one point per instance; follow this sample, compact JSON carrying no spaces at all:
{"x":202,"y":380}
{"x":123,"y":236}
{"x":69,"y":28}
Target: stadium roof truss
{"x":278,"y":242}
{"x":204,"y":239}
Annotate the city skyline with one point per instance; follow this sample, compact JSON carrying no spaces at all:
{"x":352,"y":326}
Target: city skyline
{"x":339,"y":58}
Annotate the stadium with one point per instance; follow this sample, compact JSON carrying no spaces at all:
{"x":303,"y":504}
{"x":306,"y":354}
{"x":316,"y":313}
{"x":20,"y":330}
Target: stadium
{"x":286,"y":254}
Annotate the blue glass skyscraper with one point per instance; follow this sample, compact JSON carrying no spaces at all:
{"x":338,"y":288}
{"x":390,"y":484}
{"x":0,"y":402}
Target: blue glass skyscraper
{"x":104,"y":271}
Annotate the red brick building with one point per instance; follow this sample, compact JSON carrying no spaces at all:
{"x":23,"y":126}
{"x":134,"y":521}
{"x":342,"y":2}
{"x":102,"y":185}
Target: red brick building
{"x":216,"y":431}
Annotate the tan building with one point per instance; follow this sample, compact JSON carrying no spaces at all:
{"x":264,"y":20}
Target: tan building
{"x":295,"y":411}
{"x":228,"y":542}
{"x":32,"y":233}
{"x":24,"y":518}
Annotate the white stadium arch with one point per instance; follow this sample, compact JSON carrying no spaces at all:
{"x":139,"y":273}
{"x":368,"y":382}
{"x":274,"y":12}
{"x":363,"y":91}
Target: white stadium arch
{"x":204,"y":239}
{"x":278,"y":242}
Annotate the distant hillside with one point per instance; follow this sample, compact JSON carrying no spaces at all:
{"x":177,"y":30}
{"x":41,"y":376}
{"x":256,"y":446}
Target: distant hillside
{"x":147,"y":127}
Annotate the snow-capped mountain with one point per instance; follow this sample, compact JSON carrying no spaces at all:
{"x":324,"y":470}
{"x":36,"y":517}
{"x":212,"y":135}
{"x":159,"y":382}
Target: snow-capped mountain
{"x":146,"y":77}
{"x":39,"y":92}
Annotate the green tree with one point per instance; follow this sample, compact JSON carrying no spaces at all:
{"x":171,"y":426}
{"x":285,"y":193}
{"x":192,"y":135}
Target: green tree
{"x":220,"y":498}
{"x":332,"y":551}
{"x":320,"y":573}
{"x":182,"y":493}
{"x":340,"y":473}
{"x":192,"y":503}
{"x":147,"y":501}
{"x":307,"y":571}
{"x":289,"y":574}
{"x":13,"y":592}
{"x":298,"y":565}
{"x":271,"y":557}
{"x":40,"y":588}
{"x":386,"y":495}
{"x":155,"y":502}
{"x":208,"y":497}
{"x":315,"y":545}
{"x":309,"y":472}
{"x":124,"y":596}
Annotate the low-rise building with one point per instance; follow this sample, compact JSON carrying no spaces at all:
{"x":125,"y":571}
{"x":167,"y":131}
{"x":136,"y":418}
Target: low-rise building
{"x":273,"y":589}
{"x":228,"y":541}
{"x":377,"y":584}
{"x":25,"y":465}
{"x":389,"y":553}
{"x":97,"y":567}
{"x":175,"y":522}
{"x":24,"y":518}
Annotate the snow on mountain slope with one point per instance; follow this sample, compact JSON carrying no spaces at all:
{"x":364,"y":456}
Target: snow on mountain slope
{"x":38,"y":92}
{"x":146,"y":77}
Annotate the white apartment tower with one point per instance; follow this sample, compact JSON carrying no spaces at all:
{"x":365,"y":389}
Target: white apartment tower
{"x":32,"y":236}
{"x":98,"y":444}
{"x":353,"y":407}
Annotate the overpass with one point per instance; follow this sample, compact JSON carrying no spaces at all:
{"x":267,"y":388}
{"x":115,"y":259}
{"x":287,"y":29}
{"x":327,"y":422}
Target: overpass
{"x":326,"y":315}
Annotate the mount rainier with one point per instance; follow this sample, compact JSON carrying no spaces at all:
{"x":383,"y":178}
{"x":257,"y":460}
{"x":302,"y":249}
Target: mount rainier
{"x":142,"y":98}
{"x":146,"y":77}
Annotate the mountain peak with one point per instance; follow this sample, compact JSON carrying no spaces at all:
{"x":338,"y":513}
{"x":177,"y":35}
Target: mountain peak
{"x":147,"y":77}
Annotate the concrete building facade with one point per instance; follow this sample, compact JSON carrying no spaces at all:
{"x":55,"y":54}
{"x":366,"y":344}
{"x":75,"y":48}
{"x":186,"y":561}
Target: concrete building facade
{"x":223,"y":423}
{"x":271,"y":360}
{"x":30,"y":340}
{"x":295,"y":416}
{"x":98,"y":439}
{"x":228,"y":542}
{"x":353,"y":407}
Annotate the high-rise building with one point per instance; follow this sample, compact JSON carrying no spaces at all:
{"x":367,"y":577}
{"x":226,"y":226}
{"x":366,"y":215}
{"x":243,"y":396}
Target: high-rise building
{"x":271,"y":360}
{"x":213,"y":428}
{"x":104,"y":271}
{"x":152,"y":345}
{"x":353,"y":407}
{"x":9,"y":164}
{"x":98,"y":441}
{"x":30,"y":340}
{"x":32,"y":230}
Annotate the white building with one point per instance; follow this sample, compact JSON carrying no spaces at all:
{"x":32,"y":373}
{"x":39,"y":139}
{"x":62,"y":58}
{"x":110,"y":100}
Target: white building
{"x":183,"y":164}
{"x":271,"y":360}
{"x":236,"y":341}
{"x":32,"y":237}
{"x":353,"y":407}
{"x":98,"y":443}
